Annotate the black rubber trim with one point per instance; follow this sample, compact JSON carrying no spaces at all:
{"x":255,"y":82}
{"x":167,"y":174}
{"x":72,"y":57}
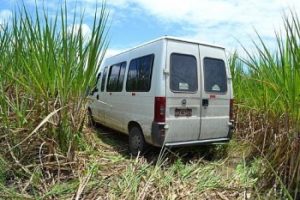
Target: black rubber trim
{"x":231,"y":129}
{"x":156,"y":136}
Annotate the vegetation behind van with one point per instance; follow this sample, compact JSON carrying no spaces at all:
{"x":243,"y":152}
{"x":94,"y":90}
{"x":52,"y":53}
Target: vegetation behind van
{"x":168,"y":91}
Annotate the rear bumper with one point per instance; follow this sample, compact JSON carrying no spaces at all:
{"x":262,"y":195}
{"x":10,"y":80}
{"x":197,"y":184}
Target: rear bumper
{"x":158,"y":137}
{"x":231,"y":128}
{"x":198,"y":142}
{"x":158,"y":134}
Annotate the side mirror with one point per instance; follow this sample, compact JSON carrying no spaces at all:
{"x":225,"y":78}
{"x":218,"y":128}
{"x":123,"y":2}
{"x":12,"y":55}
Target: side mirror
{"x":94,"y":90}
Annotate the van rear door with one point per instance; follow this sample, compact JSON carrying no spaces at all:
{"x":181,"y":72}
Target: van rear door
{"x":216,"y":93}
{"x":182,"y":92}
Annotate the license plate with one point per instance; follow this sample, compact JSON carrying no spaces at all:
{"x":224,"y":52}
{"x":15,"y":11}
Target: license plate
{"x":187,"y":112}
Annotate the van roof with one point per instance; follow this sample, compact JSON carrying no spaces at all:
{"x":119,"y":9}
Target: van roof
{"x":170,"y":38}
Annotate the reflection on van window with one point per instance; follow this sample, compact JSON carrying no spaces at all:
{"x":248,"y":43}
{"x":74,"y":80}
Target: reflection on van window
{"x":214,"y":75}
{"x":116,"y":77}
{"x":97,"y":79}
{"x":139,"y":74}
{"x":183,"y":73}
{"x":103,"y":79}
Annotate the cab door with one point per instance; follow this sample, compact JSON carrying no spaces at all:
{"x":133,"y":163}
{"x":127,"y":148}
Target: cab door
{"x":100,"y":100}
{"x":182,"y":92}
{"x":215,"y":93}
{"x":114,"y":96}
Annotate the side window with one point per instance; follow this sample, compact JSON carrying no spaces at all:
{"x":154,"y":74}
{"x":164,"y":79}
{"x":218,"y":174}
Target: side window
{"x":95,"y":87}
{"x":97,"y":80}
{"x":103,"y":79}
{"x":139,"y":74}
{"x":183,"y":73}
{"x":116,"y":77}
{"x":121,"y":76}
{"x":215,"y":75}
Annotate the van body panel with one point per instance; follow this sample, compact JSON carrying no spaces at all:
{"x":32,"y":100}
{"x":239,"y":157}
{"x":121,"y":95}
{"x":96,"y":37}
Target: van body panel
{"x":115,"y":111}
{"x":182,"y":128}
{"x":215,"y":116}
{"x":139,"y":109}
{"x":98,"y":103}
{"x":123,"y":107}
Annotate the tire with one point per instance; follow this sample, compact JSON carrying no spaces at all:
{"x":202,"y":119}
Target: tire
{"x":137,"y":144}
{"x":91,"y":121}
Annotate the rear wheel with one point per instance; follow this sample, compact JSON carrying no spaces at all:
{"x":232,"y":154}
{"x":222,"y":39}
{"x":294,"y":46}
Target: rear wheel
{"x":137,"y":142}
{"x":91,"y":121}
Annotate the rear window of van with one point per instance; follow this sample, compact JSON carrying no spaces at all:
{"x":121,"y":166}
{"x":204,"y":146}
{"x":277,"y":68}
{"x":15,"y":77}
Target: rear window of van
{"x":183,"y":73}
{"x":215,"y":79}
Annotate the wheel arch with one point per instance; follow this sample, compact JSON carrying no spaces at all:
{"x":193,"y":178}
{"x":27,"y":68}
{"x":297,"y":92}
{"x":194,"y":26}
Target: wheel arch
{"x":132,"y":124}
{"x":89,"y":109}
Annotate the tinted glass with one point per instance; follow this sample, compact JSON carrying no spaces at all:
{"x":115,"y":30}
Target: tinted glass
{"x":121,"y":76}
{"x":98,"y":78}
{"x":183,"y":73}
{"x":103,"y":79}
{"x":139,"y":74}
{"x":214,"y":75}
{"x":116,"y":77}
{"x":132,"y":76}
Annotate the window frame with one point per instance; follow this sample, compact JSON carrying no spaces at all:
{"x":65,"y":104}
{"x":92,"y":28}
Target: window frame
{"x":151,"y":72}
{"x":226,"y":75}
{"x":183,"y":91}
{"x":109,"y":74}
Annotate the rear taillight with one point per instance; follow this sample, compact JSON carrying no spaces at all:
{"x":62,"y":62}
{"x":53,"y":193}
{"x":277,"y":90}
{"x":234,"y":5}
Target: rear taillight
{"x":160,"y":109}
{"x":231,"y":109}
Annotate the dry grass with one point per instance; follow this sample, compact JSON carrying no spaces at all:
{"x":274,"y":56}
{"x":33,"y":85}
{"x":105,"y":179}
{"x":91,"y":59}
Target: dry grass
{"x":266,"y":85}
{"x":105,"y":171}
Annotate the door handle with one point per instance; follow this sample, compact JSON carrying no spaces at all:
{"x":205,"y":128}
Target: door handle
{"x":205,"y":102}
{"x":97,"y":96}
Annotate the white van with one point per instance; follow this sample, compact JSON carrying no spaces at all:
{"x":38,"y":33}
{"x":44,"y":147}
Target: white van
{"x":169,"y":91}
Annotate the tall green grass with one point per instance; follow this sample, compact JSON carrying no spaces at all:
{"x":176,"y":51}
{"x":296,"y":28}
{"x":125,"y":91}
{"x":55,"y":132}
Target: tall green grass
{"x":46,"y":68}
{"x":267,"y":89}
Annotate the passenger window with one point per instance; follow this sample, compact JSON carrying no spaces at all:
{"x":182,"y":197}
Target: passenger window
{"x":103,"y":79}
{"x":139,"y":74}
{"x":121,"y":76}
{"x":95,"y":88}
{"x":97,"y":79}
{"x":116,"y":77}
{"x":183,"y":73}
{"x":215,"y":75}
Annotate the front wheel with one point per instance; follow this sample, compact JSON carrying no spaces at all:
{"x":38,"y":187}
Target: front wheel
{"x":137,"y":142}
